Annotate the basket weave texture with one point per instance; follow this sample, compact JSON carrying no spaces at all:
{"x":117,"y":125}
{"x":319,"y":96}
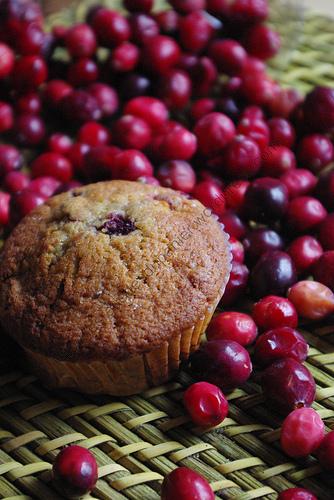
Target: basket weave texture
{"x":139,"y":439}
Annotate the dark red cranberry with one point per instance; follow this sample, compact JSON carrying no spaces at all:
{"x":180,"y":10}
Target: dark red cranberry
{"x":228,"y":55}
{"x":233,"y":224}
{"x":304,"y":213}
{"x":177,"y":174}
{"x":124,"y":58}
{"x":326,"y":452}
{"x":296,"y":494}
{"x":6,"y":117}
{"x":323,"y":270}
{"x":177,"y":144}
{"x":10,"y":159}
{"x":80,"y":106}
{"x":260,"y":240}
{"x":131,"y":132}
{"x":80,"y":41}
{"x":132,"y":164}
{"x":224,"y":363}
{"x":29,"y":103}
{"x":273,"y":273}
{"x":30,"y":40}
{"x":143,"y":28}
{"x":99,"y":163}
{"x":237,"y":250}
{"x":274,"y":312}
{"x":256,"y":129}
{"x":214,"y":131}
{"x":44,"y":186}
{"x":29,"y":73}
{"x":23,"y":203}
{"x":326,"y":232}
{"x":160,"y":54}
{"x":302,"y":433}
{"x":235,"y":194}
{"x":242,"y":158}
{"x":249,"y":11}
{"x":175,"y":89}
{"x":319,"y":109}
{"x":217,"y":8}
{"x":134,"y":85}
{"x":110,"y":27}
{"x":106,"y":98}
{"x":207,"y":175}
{"x":150,"y":109}
{"x":202,"y":107}
{"x":231,"y":87}
{"x":288,"y":385}
{"x":29,"y":130}
{"x":117,"y":225}
{"x":203,"y":75}
{"x":59,"y":143}
{"x":206,"y":404}
{"x":325,"y":189}
{"x":312,"y":299}
{"x":187,"y":6}
{"x":183,"y":483}
{"x":195,"y":31}
{"x":285,"y":102}
{"x":93,"y":134}
{"x":4,"y":208}
{"x":54,"y":92}
{"x":76,"y":155}
{"x":7,"y":59}
{"x":15,"y":182}
{"x":258,"y":88}
{"x":235,"y":326}
{"x":315,"y":152}
{"x":299,"y":182}
{"x":82,"y":72}
{"x":282,"y":132}
{"x":262,"y":42}
{"x":229,"y":107}
{"x":236,"y":285}
{"x":138,"y":5}
{"x":266,"y":199}
{"x":277,"y":160}
{"x":305,"y":251}
{"x":253,"y":113}
{"x":210,"y":194}
{"x":168,"y":21}
{"x":284,"y":342}
{"x":67,"y":186}
{"x":53,"y":165}
{"x":75,"y":471}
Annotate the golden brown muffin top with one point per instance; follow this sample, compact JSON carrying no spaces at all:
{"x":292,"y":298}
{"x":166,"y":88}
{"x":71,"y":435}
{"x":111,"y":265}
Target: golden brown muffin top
{"x":110,"y":270}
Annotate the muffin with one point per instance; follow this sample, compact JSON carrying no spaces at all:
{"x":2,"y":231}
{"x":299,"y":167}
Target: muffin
{"x":109,"y":286}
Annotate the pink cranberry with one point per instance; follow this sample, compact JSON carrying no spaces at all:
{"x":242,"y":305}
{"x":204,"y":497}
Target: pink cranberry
{"x":235,"y":326}
{"x":266,"y":199}
{"x":233,"y":224}
{"x":80,"y":41}
{"x":312,"y":299}
{"x":288,"y":385}
{"x":177,"y":144}
{"x":195,"y":31}
{"x":236,"y":285}
{"x":277,"y":160}
{"x":296,"y":494}
{"x":183,"y":483}
{"x":59,"y":143}
{"x":326,"y":452}
{"x":305,"y":251}
{"x":29,"y":130}
{"x":148,"y":179}
{"x":143,"y":28}
{"x":249,"y":11}
{"x":82,"y":72}
{"x":175,"y":89}
{"x":282,"y":132}
{"x":76,"y":155}
{"x":228,"y":55}
{"x":160,"y":54}
{"x":110,"y":27}
{"x":237,"y":250}
{"x":80,"y":106}
{"x":202,"y":107}
{"x":299,"y":182}
{"x":302,"y":432}
{"x":214,"y":131}
{"x":99,"y":163}
{"x":93,"y":134}
{"x":235,"y":194}
{"x":106,"y":98}
{"x":7,"y":59}
{"x":319,"y":109}
{"x":273,"y":273}
{"x":206,"y":404}
{"x":10,"y":159}
{"x":131,"y":164}
{"x":124,"y":58}
{"x":256,"y":129}
{"x":262,"y":42}
{"x":138,"y":5}
{"x":177,"y":174}
{"x":323,"y":269}
{"x":15,"y":182}
{"x":6,"y":117}
{"x":326,"y":232}
{"x":260,"y":240}
{"x":325,"y":189}
{"x":75,"y":470}
{"x":242,"y":157}
{"x":23,"y":203}
{"x":53,"y":165}
{"x":304,"y":213}
{"x":44,"y":186}
{"x":29,"y":103}
{"x":168,"y":21}
{"x":284,"y":342}
{"x":210,"y":194}
{"x":4,"y":208}
{"x":54,"y":92}
{"x":150,"y":109}
{"x":274,"y":312}
{"x":315,"y":152}
{"x":29,"y":72}
{"x":131,"y":132}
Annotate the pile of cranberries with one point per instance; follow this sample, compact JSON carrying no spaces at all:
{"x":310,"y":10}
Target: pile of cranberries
{"x":182,"y":98}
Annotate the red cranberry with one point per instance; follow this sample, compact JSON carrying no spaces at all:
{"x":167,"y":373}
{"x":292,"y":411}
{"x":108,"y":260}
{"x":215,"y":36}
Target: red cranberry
{"x":237,"y":250}
{"x":206,"y":404}
{"x":15,"y":182}
{"x":258,"y":88}
{"x":202,"y":107}
{"x":323,"y":270}
{"x":54,"y":92}
{"x":233,"y":225}
{"x":67,"y":186}
{"x":80,"y":106}
{"x":150,"y":109}
{"x":7,"y":59}
{"x":284,"y":342}
{"x":177,"y":144}
{"x":134,"y":85}
{"x":326,"y":452}
{"x":302,"y":432}
{"x":277,"y":160}
{"x":304,"y":213}
{"x":203,"y":75}
{"x":53,"y":165}
{"x":44,"y":186}
{"x":131,"y":164}
{"x":249,"y":11}
{"x":233,"y":326}
{"x":288,"y":385}
{"x":76,"y":155}
{"x":10,"y":159}
{"x":99,"y":163}
{"x":29,"y":72}
{"x":175,"y":89}
{"x":24,"y":202}
{"x":138,"y":5}
{"x":319,"y":109}
{"x":299,"y":182}
{"x":210,"y":194}
{"x":93,"y":134}
{"x":266,"y":199}
{"x":326,"y":232}
{"x":30,"y":40}
{"x":143,"y":28}
{"x":80,"y":41}
{"x":274,"y":312}
{"x":229,"y":107}
{"x":312,"y":300}
{"x":160,"y":54}
{"x":131,"y":132}
{"x":325,"y":189}
{"x":231,"y":87}
{"x":59,"y":143}
{"x":262,"y":42}
{"x":110,"y":27}
{"x":253,"y":113}
{"x":82,"y":72}
{"x":296,"y":494}
{"x":148,"y":179}
{"x":4,"y":208}
{"x":285,"y":102}
{"x":187,"y":6}
{"x":305,"y":251}
{"x":207,"y":175}
{"x":168,"y":21}
{"x":254,"y":66}
{"x":124,"y":58}
{"x":29,"y":130}
{"x":228,"y":55}
{"x":260,"y":240}
{"x":282,"y":132}
{"x":236,"y":285}
{"x":6,"y":117}
{"x":75,"y":470}
{"x":195,"y":31}
{"x":242,"y":157}
{"x":273,"y":273}
{"x":315,"y":152}
{"x":256,"y":129}
{"x":183,"y":483}
{"x":214,"y":131}
{"x":106,"y":98}
{"x":177,"y":174}
{"x":235,"y":194}
{"x":29,"y":103}
{"x":218,"y":8}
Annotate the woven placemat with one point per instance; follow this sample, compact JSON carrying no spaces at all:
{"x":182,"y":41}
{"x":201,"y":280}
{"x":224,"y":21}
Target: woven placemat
{"x":139,"y":439}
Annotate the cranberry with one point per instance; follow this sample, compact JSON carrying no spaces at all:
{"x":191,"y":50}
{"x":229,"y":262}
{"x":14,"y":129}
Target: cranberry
{"x":312,"y":300}
{"x":10,"y":159}
{"x":175,"y":89}
{"x":138,"y":5}
{"x":224,"y":363}
{"x":110,"y":27}
{"x":59,"y":143}
{"x":143,"y":28}
{"x":273,"y":273}
{"x":131,"y":164}
{"x":259,"y":241}
{"x":210,"y":194}
{"x":206,"y":404}
{"x":315,"y":152}
{"x":15,"y":182}
{"x":258,"y":89}
{"x":326,"y":452}
{"x":285,"y":102}
{"x":249,"y":11}
{"x":262,"y":42}
{"x":67,"y":186}
{"x":7,"y":59}
{"x":54,"y":92}
{"x":44,"y":186}
{"x":214,"y":131}
{"x":274,"y":312}
{"x":235,"y":326}
{"x":80,"y":41}
{"x":168,"y":21}
{"x":231,"y":87}
{"x":283,"y":342}
{"x":304,"y":213}
{"x":124,"y":58}
{"x":177,"y":174}
{"x":298,"y":182}
{"x":233,"y":225}
{"x":30,"y":40}
{"x":236,"y":285}
{"x":187,"y":6}
{"x":76,"y":155}
{"x":82,"y":72}
{"x":160,"y":54}
{"x":75,"y":470}
{"x":29,"y":130}
{"x":202,"y":107}
{"x":118,"y":225}
{"x":4,"y":208}
{"x":242,"y":157}
{"x":302,"y":432}
{"x":29,"y":103}
{"x":237,"y":250}
{"x":150,"y":109}
{"x":195,"y":31}
{"x":326,"y":232}
{"x":288,"y":385}
{"x":99,"y":163}
{"x":323,"y":270}
{"x":277,"y":160}
{"x":131,"y":132}
{"x":228,"y":55}
{"x":325,"y":189}
{"x":80,"y":106}
{"x":183,"y":483}
{"x":256,"y":129}
{"x":24,"y":202}
{"x":296,"y":494}
{"x":229,"y":107}
{"x":134,"y":85}
{"x":305,"y":251}
{"x":203,"y":75}
{"x":53,"y":165}
{"x":106,"y":98}
{"x":177,"y":144}
{"x":29,"y":72}
{"x":148,"y":179}
{"x":6,"y":117}
{"x":253,"y":113}
{"x":93,"y":134}
{"x":282,"y":132}
{"x":319,"y":109}
{"x":218,"y":8}
{"x":235,"y":194}
{"x":207,"y":175}
{"x":266,"y":199}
